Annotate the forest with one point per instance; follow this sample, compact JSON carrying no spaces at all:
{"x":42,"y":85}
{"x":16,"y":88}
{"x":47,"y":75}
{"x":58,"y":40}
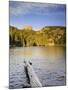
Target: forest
{"x":47,"y":36}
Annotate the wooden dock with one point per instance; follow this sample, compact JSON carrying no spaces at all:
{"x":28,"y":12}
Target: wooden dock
{"x":31,"y":75}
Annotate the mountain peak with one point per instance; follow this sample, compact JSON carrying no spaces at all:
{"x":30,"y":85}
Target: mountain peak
{"x":27,"y":28}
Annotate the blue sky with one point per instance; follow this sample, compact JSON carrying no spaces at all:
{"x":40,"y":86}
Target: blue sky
{"x":36,"y":15}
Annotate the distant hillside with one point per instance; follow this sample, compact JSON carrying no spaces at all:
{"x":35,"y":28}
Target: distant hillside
{"x":47,"y":36}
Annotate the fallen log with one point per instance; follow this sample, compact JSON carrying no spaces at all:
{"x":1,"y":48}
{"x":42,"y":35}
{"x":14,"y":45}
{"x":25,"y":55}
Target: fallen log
{"x":31,"y":75}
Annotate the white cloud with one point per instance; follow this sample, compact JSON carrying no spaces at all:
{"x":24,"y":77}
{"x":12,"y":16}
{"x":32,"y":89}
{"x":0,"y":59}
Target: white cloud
{"x":18,"y":8}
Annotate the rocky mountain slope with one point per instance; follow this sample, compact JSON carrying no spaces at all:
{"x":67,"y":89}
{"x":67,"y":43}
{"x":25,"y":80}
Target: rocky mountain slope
{"x":47,"y":36}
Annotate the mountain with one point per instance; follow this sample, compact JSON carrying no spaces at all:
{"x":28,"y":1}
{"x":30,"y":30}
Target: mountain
{"x":47,"y":36}
{"x":27,"y":28}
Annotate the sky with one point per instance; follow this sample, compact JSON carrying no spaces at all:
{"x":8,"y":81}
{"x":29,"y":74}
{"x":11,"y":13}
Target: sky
{"x":37,"y":15}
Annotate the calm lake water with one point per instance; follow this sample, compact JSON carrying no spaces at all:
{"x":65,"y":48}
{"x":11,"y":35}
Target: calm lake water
{"x":48,"y":63}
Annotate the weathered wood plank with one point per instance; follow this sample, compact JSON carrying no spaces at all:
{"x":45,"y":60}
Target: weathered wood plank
{"x":34,"y":80}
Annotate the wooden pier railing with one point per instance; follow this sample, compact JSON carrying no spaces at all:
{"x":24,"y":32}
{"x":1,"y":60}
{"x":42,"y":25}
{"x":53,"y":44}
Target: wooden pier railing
{"x":32,"y":77}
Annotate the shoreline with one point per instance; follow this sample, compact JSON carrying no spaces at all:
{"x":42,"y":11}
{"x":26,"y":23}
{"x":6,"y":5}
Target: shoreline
{"x":38,"y":46}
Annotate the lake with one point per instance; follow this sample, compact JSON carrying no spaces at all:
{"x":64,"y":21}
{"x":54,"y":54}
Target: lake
{"x":49,"y":63}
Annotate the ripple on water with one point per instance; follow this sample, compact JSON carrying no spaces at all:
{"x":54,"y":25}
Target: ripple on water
{"x":50,"y":68}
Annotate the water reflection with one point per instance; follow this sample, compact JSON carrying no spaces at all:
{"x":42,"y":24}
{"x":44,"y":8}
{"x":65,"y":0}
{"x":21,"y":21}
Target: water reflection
{"x":49,"y":52}
{"x":48,"y":63}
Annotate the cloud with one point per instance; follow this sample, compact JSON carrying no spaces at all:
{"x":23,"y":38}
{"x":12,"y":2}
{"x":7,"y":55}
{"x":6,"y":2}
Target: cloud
{"x":23,"y":8}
